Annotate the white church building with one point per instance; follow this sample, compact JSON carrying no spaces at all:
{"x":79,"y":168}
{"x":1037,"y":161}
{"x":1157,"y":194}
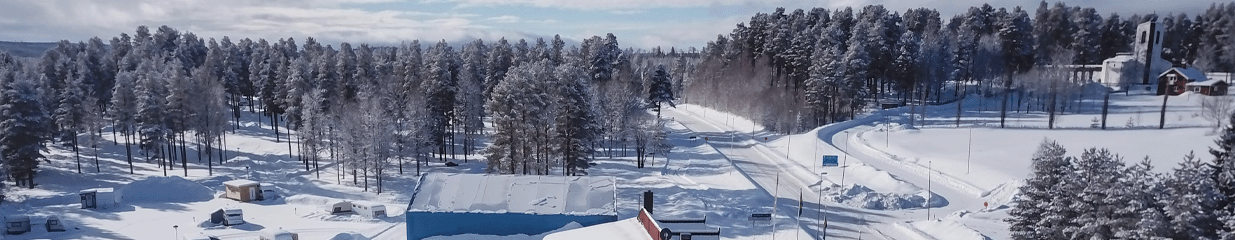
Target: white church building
{"x":1128,"y":71}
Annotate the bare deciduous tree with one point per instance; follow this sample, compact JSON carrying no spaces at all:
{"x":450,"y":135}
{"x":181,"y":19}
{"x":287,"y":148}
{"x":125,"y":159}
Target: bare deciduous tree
{"x":1216,"y":109}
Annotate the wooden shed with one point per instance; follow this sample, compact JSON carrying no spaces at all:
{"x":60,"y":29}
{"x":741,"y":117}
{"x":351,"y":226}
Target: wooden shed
{"x":243,"y":190}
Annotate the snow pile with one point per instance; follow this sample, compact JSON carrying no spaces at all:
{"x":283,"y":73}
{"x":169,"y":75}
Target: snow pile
{"x":1003,"y":195}
{"x":947,"y":229}
{"x":172,"y":189}
{"x":349,"y":236}
{"x":864,"y":197}
{"x":569,"y":226}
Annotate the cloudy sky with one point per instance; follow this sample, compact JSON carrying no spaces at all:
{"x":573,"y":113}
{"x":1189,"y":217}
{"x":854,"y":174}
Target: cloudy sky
{"x":637,"y":23}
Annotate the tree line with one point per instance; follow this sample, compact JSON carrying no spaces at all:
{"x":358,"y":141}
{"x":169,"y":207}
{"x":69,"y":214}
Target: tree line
{"x":820,"y":66}
{"x":1098,"y":196}
{"x":362,"y":108}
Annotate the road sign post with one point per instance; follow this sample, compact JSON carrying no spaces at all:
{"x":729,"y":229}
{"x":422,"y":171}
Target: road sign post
{"x":831,"y":161}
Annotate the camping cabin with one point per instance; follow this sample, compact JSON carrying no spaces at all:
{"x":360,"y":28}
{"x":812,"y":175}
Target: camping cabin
{"x":17,"y":224}
{"x":278,"y":235}
{"x":97,"y":198}
{"x":1213,"y":87}
{"x":54,"y":224}
{"x":243,"y":190}
{"x":339,"y":207}
{"x":227,"y":216}
{"x":369,"y":209}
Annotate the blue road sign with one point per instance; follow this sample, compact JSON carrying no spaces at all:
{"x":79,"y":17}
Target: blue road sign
{"x":830,"y":160}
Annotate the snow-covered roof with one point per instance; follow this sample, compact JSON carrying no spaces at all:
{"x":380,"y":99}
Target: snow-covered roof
{"x":1189,"y":73}
{"x":1120,"y":58}
{"x":240,"y":182}
{"x":367,"y":204}
{"x":626,"y":229}
{"x":1206,"y":83}
{"x":546,"y":195}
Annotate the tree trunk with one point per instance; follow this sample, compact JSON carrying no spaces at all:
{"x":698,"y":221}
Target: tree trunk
{"x":1106,"y":103}
{"x":128,"y":149}
{"x":75,"y":154}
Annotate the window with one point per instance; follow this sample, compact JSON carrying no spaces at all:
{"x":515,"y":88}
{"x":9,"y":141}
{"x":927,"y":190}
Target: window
{"x":1142,"y":37}
{"x":15,"y":224}
{"x":1159,"y":41}
{"x":53,"y":222}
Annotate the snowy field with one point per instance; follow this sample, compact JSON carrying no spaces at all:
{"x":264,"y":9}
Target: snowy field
{"x":936,"y":180}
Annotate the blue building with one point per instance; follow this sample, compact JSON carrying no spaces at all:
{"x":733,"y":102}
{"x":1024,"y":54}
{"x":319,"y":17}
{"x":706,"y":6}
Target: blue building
{"x":446,"y":204}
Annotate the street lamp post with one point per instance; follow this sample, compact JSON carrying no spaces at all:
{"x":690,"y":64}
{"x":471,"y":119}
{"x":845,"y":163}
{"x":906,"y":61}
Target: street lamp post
{"x":845,"y":165}
{"x":969,"y":156}
{"x":177,"y":228}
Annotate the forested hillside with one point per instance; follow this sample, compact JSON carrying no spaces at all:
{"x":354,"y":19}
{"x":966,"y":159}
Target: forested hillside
{"x":799,"y":69}
{"x":373,"y":110}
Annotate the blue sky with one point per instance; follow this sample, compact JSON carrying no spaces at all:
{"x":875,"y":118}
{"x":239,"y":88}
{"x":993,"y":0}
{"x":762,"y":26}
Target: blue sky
{"x":637,"y":23}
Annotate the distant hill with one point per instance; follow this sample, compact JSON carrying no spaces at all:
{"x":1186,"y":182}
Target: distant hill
{"x":26,"y":49}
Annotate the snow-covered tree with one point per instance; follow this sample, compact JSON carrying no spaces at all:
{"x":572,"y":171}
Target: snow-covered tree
{"x":1191,"y":201}
{"x":23,"y":127}
{"x":1044,"y":207}
{"x":660,"y":89}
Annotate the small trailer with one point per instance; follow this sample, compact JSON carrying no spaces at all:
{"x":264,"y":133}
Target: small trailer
{"x":279,"y":234}
{"x":227,"y":216}
{"x":339,"y":207}
{"x":16,"y":224}
{"x":369,"y":209}
{"x":54,"y":224}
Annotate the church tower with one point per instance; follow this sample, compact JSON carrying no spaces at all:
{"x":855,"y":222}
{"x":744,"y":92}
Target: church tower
{"x":1147,"y":47}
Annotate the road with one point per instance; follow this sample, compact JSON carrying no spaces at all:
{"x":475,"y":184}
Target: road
{"x":789,"y":180}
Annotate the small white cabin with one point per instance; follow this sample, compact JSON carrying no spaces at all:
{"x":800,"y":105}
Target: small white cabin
{"x":369,"y":209}
{"x":98,"y":198}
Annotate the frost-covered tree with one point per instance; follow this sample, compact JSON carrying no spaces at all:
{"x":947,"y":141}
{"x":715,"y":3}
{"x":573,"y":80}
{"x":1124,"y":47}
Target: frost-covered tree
{"x":23,"y":127}
{"x":660,"y":89}
{"x":123,"y":110}
{"x":1044,"y":207}
{"x":575,"y":124}
{"x":1191,"y":201}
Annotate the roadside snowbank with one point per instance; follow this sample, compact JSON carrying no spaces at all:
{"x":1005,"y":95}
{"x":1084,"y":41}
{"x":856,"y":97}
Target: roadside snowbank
{"x":569,"y":226}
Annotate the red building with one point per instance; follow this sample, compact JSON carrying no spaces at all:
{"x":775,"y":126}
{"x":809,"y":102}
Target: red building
{"x":1175,"y":80}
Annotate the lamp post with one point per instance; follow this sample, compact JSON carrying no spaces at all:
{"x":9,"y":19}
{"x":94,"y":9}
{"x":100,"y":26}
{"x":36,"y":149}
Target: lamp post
{"x":177,"y":228}
{"x":844,"y":165}
{"x":970,"y":155}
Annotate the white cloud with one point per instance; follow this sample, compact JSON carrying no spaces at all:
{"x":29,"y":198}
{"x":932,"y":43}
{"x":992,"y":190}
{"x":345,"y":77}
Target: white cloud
{"x":328,"y":21}
{"x":504,"y":19}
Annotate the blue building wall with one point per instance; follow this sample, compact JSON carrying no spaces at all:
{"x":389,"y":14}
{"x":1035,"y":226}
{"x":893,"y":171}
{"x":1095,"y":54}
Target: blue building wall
{"x":426,"y":224}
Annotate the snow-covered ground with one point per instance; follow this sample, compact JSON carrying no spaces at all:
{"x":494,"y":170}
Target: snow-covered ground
{"x":894,"y":182}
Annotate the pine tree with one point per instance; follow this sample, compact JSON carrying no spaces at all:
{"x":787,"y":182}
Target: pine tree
{"x":1100,"y":198}
{"x":123,"y":109}
{"x":24,"y":124}
{"x":1043,"y":208}
{"x":1190,"y":201}
{"x":660,"y":90}
{"x":576,"y":125}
